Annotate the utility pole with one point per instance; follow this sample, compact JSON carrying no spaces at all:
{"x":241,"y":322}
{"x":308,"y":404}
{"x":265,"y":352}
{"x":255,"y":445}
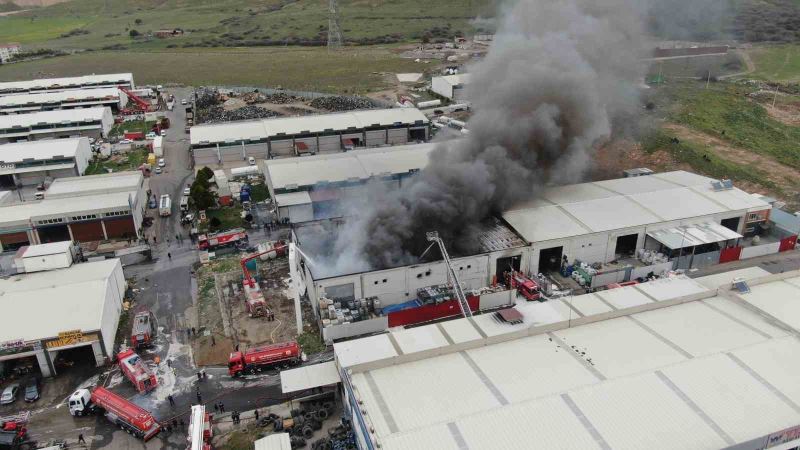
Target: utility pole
{"x":334,"y":31}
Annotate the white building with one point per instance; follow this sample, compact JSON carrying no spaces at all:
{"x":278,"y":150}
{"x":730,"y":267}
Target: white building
{"x":73,"y":310}
{"x":30,"y":163}
{"x":451,"y":87}
{"x":7,"y":51}
{"x":112,"y":80}
{"x":303,"y":135}
{"x":90,"y":122}
{"x":49,"y":101}
{"x":673,"y":363}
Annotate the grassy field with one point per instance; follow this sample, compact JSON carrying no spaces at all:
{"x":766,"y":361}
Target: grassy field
{"x":777,"y":63}
{"x":129,"y":161}
{"x":697,"y":67}
{"x":228,"y":217}
{"x":353,"y":69}
{"x":228,"y":22}
{"x":134,"y":125}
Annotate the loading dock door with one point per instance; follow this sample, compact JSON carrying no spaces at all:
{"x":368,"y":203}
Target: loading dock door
{"x":120,"y":228}
{"x":13,"y":241}
{"x":55,"y":233}
{"x":626,"y":245}
{"x":509,"y":264}
{"x":550,"y":259}
{"x":87,"y":231}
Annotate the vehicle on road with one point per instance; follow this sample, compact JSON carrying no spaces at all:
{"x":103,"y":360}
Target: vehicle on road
{"x":251,"y":161}
{"x":132,"y":365}
{"x":125,"y":141}
{"x":32,"y":390}
{"x":150,"y":135}
{"x":165,"y":204}
{"x":221,"y":239}
{"x":268,"y":356}
{"x":187,"y":191}
{"x":144,"y":329}
{"x":158,"y":170}
{"x":118,"y":410}
{"x":183,"y":101}
{"x":9,"y":394}
{"x":13,"y":432}
{"x":162,"y":162}
{"x":153,"y":203}
{"x":184,"y":203}
{"x":163,"y":133}
{"x":187,"y":219}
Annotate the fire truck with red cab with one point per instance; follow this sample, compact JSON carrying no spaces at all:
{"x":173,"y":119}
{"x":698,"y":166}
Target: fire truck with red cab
{"x":221,"y":239}
{"x":135,"y":369}
{"x":119,"y":411}
{"x":256,"y":359}
{"x":525,"y":286}
{"x":200,"y":431}
{"x":143,"y":331}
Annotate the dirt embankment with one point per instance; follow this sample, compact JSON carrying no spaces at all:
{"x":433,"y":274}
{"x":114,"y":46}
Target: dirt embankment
{"x":26,"y":3}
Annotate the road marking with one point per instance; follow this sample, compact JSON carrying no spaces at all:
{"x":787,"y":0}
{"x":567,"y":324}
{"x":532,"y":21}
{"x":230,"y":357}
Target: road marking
{"x":661,"y":338}
{"x":764,"y":382}
{"x":700,"y":413}
{"x":585,"y":422}
{"x":592,"y":369}
{"x":376,"y":392}
{"x":485,"y":379}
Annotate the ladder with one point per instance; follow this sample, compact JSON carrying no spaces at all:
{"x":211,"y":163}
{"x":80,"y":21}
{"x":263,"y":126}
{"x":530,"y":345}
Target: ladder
{"x":452,"y":277}
{"x":20,"y":419}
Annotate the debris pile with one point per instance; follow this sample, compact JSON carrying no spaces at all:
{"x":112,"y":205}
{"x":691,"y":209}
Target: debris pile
{"x":281,"y":98}
{"x":206,"y":98}
{"x":342,"y":103}
{"x":217,"y":114}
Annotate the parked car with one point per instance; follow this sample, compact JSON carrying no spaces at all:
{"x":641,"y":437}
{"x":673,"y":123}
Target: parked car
{"x":251,"y":161}
{"x":32,"y":390}
{"x":9,"y":394}
{"x":158,"y":170}
{"x":161,"y":162}
{"x":153,"y":203}
{"x":125,"y":141}
{"x":183,"y":101}
{"x":187,"y":191}
{"x":150,"y":135}
{"x":163,"y":132}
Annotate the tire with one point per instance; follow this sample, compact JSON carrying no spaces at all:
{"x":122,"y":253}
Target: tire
{"x":323,"y":414}
{"x":308,"y":432}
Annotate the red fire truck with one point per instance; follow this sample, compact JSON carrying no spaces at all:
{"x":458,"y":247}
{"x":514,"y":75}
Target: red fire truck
{"x":135,"y":369}
{"x":524,"y":285}
{"x":256,"y":359}
{"x":221,"y":239}
{"x":144,"y":329}
{"x":13,"y":431}
{"x":200,"y":431}
{"x":119,"y":411}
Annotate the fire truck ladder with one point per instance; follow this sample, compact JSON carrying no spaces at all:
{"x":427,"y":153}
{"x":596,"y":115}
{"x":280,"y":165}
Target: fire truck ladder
{"x":452,"y":277}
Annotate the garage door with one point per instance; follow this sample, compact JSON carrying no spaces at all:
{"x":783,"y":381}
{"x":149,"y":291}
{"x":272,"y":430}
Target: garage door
{"x":329,"y":144}
{"x":205,"y":156}
{"x":375,"y":138}
{"x":398,"y":136}
{"x":120,"y":228}
{"x":87,"y":231}
{"x":54,"y":233}
{"x":258,"y":151}
{"x":31,"y":178}
{"x":282,"y":148}
{"x":231,"y":153}
{"x":311,"y":143}
{"x":12,"y":241}
{"x":61,"y":173}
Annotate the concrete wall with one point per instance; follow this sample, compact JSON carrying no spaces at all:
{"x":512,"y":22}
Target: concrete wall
{"x":112,"y":308}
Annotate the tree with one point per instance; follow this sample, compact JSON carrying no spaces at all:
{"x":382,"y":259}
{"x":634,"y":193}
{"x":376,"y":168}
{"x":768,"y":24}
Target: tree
{"x":138,"y":21}
{"x":205,"y":173}
{"x":215,"y":222}
{"x":201,"y":197}
{"x":133,"y":33}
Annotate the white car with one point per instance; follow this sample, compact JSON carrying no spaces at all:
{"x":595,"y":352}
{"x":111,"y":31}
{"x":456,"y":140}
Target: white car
{"x":161,"y":162}
{"x":163,"y":133}
{"x":183,"y":102}
{"x":251,"y":161}
{"x":158,"y":169}
{"x":150,"y":135}
{"x":125,"y":141}
{"x":187,"y":191}
{"x":9,"y":394}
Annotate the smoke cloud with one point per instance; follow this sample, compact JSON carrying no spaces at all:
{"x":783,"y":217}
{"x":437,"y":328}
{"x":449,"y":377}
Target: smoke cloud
{"x":556,"y":75}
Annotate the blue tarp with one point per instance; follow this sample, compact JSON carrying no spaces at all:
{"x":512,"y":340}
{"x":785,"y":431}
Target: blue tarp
{"x":401,"y":306}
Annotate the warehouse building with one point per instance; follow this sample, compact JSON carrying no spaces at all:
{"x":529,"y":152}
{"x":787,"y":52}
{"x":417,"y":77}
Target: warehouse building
{"x":128,"y":181}
{"x":93,"y":122}
{"x":112,"y":80}
{"x":50,"y":101}
{"x":673,"y":363}
{"x":30,"y":163}
{"x":312,"y":187}
{"x":68,"y":314}
{"x":108,"y":208}
{"x":451,"y":87}
{"x":306,"y":135}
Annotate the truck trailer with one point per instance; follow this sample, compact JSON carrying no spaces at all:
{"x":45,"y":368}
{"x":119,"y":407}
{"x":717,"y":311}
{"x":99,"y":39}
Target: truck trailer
{"x":118,"y":410}
{"x":135,"y":369}
{"x":256,"y":359}
{"x":144,"y":330}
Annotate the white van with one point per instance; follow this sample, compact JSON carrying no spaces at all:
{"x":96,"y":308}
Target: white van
{"x":165,"y":206}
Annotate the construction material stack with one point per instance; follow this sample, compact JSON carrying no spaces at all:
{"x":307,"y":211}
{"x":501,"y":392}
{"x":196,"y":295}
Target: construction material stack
{"x":264,"y":357}
{"x":135,"y":369}
{"x":119,"y":411}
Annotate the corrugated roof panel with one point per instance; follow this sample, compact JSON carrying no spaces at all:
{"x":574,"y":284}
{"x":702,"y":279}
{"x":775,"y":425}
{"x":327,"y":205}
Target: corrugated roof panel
{"x":676,"y":204}
{"x":544,"y":424}
{"x":544,"y":224}
{"x":619,"y":347}
{"x":42,"y":150}
{"x":687,"y":327}
{"x":67,"y":81}
{"x":418,"y":339}
{"x":433,"y":437}
{"x":780,"y":300}
{"x":776,"y":361}
{"x":56,"y":117}
{"x":60,"y":96}
{"x":744,"y":315}
{"x":624,"y":297}
{"x":460,"y":330}
{"x":445,"y":386}
{"x":610,"y":213}
{"x":635,"y":185}
{"x":588,"y":304}
{"x":370,"y":348}
{"x":736,"y":401}
{"x":733,"y":198}
{"x":670,"y":287}
{"x":574,"y":193}
{"x":725,"y":278}
{"x":641,"y":412}
{"x":538,"y":368}
{"x":683,"y":178}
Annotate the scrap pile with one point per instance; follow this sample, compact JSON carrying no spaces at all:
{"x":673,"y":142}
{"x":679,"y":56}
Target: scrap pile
{"x":279,"y":98}
{"x":206,"y":98}
{"x":217,"y":114}
{"x":342,"y":103}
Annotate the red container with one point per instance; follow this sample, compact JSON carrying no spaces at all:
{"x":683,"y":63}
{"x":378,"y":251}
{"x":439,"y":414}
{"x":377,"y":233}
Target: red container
{"x":426,"y":313}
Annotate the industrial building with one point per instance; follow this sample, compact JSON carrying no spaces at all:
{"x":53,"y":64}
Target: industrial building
{"x":305,"y":135}
{"x":311,"y":187}
{"x":92,"y":122}
{"x":49,"y":101}
{"x":91,"y":208}
{"x":30,"y":163}
{"x":70,"y":313}
{"x":112,"y":80}
{"x":673,"y":363}
{"x":451,"y":87}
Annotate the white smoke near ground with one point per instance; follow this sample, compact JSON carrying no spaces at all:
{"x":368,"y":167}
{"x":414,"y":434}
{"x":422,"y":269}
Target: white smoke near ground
{"x":555,"y":76}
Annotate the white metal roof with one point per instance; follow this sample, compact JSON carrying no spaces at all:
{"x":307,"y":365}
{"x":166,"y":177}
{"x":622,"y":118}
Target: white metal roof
{"x":22,"y":212}
{"x":273,"y":128}
{"x":125,"y":181}
{"x":293,"y":199}
{"x":703,"y":374}
{"x":41,"y":150}
{"x":60,"y":96}
{"x":779,"y":299}
{"x":46,"y":303}
{"x":455,"y":80}
{"x":274,"y":441}
{"x":601,"y":206}
{"x":51,"y":248}
{"x":692,"y":235}
{"x":308,"y":377}
{"x":10,"y":121}
{"x":53,"y":83}
{"x":352,"y":165}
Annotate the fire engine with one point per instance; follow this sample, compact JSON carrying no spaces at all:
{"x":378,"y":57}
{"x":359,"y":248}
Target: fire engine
{"x":119,"y":411}
{"x":135,"y":369}
{"x":524,"y":285}
{"x":143,"y":331}
{"x":256,"y":359}
{"x":221,"y":239}
{"x":200,"y":431}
